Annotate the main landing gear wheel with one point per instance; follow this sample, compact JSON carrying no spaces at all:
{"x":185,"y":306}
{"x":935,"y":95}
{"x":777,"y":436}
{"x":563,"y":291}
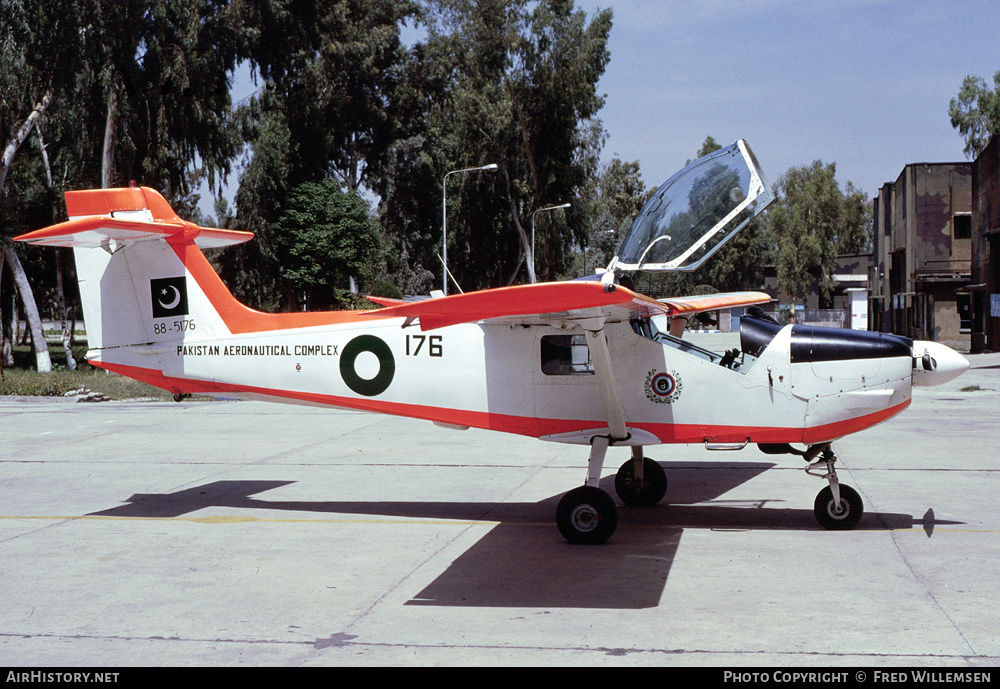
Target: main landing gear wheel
{"x":587,"y":516}
{"x":645,"y":492}
{"x":840,"y":517}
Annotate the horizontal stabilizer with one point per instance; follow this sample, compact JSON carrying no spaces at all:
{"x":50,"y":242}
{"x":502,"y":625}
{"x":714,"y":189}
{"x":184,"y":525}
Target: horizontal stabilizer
{"x":112,"y":233}
{"x":112,"y":218}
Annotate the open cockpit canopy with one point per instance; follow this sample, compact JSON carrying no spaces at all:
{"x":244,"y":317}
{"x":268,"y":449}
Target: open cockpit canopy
{"x":695,"y":212}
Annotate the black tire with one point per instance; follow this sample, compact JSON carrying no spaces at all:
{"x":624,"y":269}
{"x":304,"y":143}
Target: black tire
{"x":587,"y":516}
{"x":852,"y":508}
{"x":646,"y":493}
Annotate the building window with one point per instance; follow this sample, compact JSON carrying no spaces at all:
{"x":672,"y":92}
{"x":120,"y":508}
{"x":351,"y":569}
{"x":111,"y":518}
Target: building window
{"x":963,"y":226}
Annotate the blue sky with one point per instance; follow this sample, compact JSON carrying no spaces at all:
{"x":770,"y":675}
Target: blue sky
{"x":865,"y":84}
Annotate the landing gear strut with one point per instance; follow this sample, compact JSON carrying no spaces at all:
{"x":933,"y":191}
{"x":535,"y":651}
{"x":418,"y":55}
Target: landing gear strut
{"x":837,"y":507}
{"x":588,"y":515}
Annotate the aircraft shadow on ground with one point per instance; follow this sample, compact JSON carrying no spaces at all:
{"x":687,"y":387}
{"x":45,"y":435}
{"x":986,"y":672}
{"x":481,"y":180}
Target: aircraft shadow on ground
{"x":523,"y":561}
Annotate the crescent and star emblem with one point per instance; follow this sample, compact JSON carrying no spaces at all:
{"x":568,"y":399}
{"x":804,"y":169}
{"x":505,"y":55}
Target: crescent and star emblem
{"x":168,"y":297}
{"x":172,"y":304}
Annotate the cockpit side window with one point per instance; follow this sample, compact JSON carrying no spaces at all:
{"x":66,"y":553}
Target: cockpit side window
{"x":566,"y":355}
{"x":645,"y":327}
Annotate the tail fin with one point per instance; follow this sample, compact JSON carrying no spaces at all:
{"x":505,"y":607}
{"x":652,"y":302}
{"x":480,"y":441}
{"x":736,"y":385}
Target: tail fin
{"x":144,"y":282}
{"x":143,"y":279}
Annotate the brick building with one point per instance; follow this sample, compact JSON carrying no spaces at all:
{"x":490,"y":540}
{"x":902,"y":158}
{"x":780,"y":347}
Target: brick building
{"x":922,"y":253}
{"x":985,"y":288}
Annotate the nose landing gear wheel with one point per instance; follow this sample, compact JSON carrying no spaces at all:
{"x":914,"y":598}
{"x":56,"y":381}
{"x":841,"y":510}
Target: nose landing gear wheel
{"x":587,"y":516}
{"x":840,"y":517}
{"x":645,"y":493}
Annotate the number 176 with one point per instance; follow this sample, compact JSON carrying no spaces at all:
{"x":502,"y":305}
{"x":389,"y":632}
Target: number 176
{"x":414,"y":343}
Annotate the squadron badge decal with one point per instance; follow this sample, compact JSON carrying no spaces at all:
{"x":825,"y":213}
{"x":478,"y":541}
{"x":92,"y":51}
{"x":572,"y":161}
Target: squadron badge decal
{"x":663,"y":388}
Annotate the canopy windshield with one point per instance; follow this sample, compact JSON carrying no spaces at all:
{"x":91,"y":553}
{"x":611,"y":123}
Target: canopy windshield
{"x":695,"y":212}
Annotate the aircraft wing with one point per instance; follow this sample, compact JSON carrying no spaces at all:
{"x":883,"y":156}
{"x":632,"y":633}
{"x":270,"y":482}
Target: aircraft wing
{"x":711,"y":302}
{"x":555,"y":302}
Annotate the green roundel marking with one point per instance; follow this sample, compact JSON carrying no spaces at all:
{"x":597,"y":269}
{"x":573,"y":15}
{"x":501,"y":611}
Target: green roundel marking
{"x":386,"y":365}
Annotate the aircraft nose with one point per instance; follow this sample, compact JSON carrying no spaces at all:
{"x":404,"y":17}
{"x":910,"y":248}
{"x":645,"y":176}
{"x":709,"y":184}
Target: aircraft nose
{"x":935,"y":363}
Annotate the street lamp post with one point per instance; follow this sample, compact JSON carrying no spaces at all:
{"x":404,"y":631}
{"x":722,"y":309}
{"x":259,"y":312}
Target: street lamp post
{"x":532,"y":261}
{"x":492,"y":167}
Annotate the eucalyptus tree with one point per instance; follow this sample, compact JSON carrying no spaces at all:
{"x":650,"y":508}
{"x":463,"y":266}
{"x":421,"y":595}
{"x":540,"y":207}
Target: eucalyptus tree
{"x":323,"y":110}
{"x":975,"y":113}
{"x":165,"y":68}
{"x":332,"y":65}
{"x":37,"y":51}
{"x":115,"y":91}
{"x":506,"y":82}
{"x":812,"y":222}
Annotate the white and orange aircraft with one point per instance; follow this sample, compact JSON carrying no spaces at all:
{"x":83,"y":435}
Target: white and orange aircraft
{"x":574,"y":362}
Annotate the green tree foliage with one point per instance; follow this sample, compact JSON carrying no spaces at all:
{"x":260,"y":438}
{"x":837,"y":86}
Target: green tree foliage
{"x":975,"y":113}
{"x":323,"y":238}
{"x":325,"y":109}
{"x":330,"y":67}
{"x":167,"y":66}
{"x":812,"y":222}
{"x":611,"y":202}
{"x":40,"y":54}
{"x":506,"y":82}
{"x":111,"y":91}
{"x":710,"y":145}
{"x":252,"y":270}
{"x":139,"y":90}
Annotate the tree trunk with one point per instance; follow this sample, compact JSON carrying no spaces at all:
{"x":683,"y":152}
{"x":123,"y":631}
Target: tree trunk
{"x":108,"y":154}
{"x":529,"y":149}
{"x":41,"y":348}
{"x":11,"y":148}
{"x":522,"y":234}
{"x":67,"y":335}
{"x":6,"y":331}
{"x":42,"y":360}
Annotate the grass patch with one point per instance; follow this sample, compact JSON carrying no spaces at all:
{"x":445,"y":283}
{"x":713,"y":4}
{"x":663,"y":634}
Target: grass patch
{"x":970,"y":388}
{"x":23,"y":380}
{"x":31,"y":383}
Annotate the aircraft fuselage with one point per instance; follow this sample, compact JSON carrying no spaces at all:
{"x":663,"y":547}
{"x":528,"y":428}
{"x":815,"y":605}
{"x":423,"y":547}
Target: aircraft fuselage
{"x":537,"y":380}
